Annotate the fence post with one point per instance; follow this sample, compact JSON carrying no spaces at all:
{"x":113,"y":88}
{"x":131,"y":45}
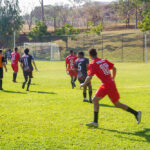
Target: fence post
{"x":102,"y":47}
{"x":145,"y":47}
{"x":14,"y":39}
{"x":122,"y":54}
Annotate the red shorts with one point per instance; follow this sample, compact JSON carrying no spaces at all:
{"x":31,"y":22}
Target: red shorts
{"x":15,"y":68}
{"x":72,"y":73}
{"x":110,"y":90}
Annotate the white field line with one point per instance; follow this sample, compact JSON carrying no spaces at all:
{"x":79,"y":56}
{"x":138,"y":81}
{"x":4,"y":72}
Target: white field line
{"x":139,"y":86}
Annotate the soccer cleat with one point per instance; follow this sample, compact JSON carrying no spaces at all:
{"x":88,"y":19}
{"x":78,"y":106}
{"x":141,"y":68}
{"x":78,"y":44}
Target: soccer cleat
{"x":85,"y":100}
{"x":27,"y":90}
{"x":1,"y":89}
{"x":138,"y":117}
{"x":92,"y":124}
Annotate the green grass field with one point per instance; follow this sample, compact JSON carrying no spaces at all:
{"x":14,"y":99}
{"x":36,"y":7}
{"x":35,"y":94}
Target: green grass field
{"x":51,"y":116}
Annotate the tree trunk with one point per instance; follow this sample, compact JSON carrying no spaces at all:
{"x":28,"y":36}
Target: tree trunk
{"x":42,"y":7}
{"x":136,"y":18}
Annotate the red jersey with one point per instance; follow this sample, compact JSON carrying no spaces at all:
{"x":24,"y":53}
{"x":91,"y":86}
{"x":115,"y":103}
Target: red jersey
{"x":101,"y":68}
{"x":70,"y":60}
{"x":15,"y":57}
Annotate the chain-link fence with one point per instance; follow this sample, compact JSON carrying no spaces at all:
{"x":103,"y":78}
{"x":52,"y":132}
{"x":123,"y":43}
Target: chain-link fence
{"x":116,"y":47}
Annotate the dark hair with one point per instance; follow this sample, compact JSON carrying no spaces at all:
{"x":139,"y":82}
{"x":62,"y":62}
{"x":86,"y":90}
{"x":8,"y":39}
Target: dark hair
{"x":71,"y":51}
{"x":16,"y":49}
{"x":26,"y":51}
{"x":81,"y":54}
{"x":1,"y":50}
{"x":92,"y":52}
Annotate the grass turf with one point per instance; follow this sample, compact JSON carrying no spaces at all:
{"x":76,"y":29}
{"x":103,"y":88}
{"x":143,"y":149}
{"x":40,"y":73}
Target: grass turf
{"x":52,"y":115}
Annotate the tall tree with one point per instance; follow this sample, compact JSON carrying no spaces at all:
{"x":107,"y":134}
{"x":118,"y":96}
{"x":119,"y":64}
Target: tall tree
{"x":10,"y":21}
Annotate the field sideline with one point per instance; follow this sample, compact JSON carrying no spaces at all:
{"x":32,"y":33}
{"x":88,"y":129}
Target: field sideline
{"x":51,"y":115}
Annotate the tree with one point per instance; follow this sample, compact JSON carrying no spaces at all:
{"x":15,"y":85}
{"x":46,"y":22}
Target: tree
{"x":39,"y":32}
{"x":145,"y":24}
{"x":10,"y":21}
{"x":67,"y":31}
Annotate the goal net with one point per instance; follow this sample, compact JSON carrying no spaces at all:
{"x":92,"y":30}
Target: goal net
{"x":44,"y":51}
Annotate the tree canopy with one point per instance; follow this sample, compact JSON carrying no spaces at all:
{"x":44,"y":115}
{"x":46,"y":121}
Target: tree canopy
{"x":10,"y":21}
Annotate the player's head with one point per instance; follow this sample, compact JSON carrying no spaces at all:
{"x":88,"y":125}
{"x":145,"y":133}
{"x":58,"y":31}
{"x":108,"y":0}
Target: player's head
{"x":16,"y":49}
{"x":1,"y":51}
{"x":26,"y":51}
{"x":71,"y":51}
{"x":93,"y":53}
{"x":81,"y":54}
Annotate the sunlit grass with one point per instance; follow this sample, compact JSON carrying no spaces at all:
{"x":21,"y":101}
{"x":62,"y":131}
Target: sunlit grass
{"x":52,"y":115}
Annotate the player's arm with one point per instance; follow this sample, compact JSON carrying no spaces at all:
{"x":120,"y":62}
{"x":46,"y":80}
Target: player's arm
{"x":34,"y":65}
{"x":114,"y":70}
{"x":87,"y":80}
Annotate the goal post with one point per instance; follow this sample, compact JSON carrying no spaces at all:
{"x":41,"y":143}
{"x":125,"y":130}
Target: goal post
{"x":44,"y":51}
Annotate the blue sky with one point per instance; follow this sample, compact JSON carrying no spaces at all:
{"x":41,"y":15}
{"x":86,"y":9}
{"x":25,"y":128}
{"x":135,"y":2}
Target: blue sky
{"x":27,"y":5}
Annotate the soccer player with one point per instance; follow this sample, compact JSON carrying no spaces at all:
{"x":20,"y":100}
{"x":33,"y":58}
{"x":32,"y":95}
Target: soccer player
{"x":15,"y":58}
{"x":2,"y":64}
{"x":70,"y":62}
{"x":81,"y":67}
{"x":26,"y":65}
{"x":101,"y":68}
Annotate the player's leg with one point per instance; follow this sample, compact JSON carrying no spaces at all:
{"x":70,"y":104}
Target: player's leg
{"x":1,"y":77}
{"x":114,"y":96}
{"x":26,"y":79}
{"x":90,"y":92}
{"x":137,"y":114}
{"x":15,"y":72}
{"x":29,"y":82}
{"x":75,"y":77}
{"x":101,"y":92}
{"x":72,"y":82}
{"x":95,"y":101}
{"x":84,"y":94}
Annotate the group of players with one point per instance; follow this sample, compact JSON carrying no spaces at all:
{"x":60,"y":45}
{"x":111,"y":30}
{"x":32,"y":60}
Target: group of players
{"x":76,"y":67}
{"x":26,"y":62}
{"x":79,"y":67}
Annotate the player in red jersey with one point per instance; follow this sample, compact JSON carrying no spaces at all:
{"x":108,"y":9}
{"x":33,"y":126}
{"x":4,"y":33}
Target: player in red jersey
{"x":101,"y":68}
{"x":70,"y":62}
{"x":15,"y":58}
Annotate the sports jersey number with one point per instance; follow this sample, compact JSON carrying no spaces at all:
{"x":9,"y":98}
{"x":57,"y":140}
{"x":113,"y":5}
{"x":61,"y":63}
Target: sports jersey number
{"x":13,"y":57}
{"x":79,"y":66}
{"x":26,"y":61}
{"x":71,"y":63}
{"x":105,"y":68}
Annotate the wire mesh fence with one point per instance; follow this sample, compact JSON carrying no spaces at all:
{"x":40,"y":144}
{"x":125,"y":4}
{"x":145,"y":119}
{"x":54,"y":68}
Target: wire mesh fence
{"x":116,"y":47}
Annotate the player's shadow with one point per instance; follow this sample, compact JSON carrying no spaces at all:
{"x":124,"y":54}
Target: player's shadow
{"x":105,"y":105}
{"x":42,"y":92}
{"x":14,"y":92}
{"x":144,"y":133}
